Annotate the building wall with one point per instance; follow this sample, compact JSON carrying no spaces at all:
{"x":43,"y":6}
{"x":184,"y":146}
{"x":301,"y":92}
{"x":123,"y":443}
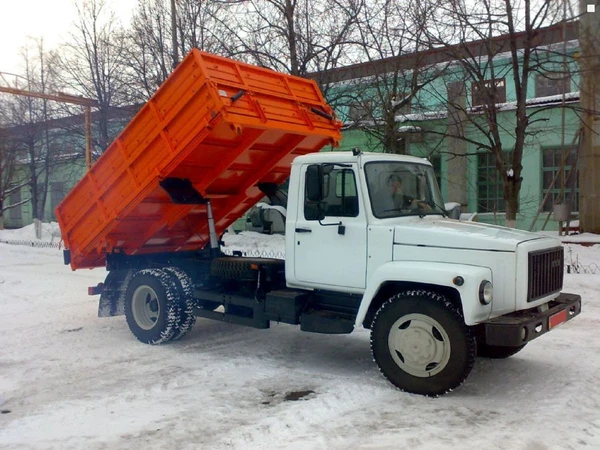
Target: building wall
{"x":62,"y":178}
{"x":551,"y":129}
{"x":545,"y":134}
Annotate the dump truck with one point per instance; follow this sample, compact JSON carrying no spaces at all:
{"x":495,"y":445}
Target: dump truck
{"x":368,"y":243}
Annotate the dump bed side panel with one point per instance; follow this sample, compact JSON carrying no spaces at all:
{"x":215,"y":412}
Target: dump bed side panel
{"x":224,"y":126}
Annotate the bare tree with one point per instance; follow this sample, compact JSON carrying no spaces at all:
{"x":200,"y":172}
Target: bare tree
{"x":92,"y":63}
{"x":496,"y":44}
{"x":148,"y":55}
{"x":7,"y":169}
{"x":30,"y":141}
{"x":294,"y":36}
{"x":392,"y":39}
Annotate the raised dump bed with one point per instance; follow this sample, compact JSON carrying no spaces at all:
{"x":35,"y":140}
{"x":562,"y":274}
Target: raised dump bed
{"x":223,"y":125}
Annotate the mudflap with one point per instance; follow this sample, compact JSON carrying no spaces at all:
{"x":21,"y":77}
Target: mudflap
{"x":110,"y":305}
{"x":112,"y":298}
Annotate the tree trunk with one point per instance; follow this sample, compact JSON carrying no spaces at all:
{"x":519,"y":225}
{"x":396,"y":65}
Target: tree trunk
{"x":511,"y":197}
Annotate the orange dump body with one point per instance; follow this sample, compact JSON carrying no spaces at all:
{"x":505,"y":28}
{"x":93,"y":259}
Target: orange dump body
{"x":224,"y":126}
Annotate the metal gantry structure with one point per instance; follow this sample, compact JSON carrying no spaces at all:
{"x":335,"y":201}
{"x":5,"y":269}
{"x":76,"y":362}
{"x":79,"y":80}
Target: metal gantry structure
{"x":61,"y":97}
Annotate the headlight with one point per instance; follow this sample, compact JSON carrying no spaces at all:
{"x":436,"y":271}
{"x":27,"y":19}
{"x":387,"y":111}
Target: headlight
{"x":486,"y":292}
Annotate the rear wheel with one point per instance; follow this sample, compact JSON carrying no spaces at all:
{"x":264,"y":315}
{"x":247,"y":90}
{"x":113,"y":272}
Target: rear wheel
{"x":421,"y":343}
{"x":152,"y":307}
{"x":185,"y":288}
{"x":497,"y":351}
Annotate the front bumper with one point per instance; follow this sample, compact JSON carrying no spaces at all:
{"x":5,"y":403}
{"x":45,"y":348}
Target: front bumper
{"x":518,"y":328}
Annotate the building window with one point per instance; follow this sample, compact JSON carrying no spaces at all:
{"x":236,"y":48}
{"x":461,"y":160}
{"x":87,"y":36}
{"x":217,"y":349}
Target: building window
{"x":57,"y":193}
{"x":456,"y":91}
{"x":548,"y":84}
{"x":480,"y":91}
{"x":436,"y":162}
{"x":567,"y":182}
{"x":358,"y":111}
{"x":15,"y":213}
{"x":490,"y":188}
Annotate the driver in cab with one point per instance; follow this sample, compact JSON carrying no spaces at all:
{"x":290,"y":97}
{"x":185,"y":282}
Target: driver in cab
{"x":394,"y":198}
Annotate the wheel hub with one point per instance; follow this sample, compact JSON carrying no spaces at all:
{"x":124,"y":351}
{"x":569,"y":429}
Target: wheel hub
{"x":419,"y":345}
{"x":145,"y":307}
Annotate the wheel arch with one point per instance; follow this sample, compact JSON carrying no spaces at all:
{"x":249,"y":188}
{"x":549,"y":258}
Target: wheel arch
{"x":457,"y":282}
{"x":390,"y":288}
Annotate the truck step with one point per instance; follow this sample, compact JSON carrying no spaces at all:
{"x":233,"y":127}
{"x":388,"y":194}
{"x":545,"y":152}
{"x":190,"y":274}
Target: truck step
{"x":254,"y":322}
{"x":326,"y":322}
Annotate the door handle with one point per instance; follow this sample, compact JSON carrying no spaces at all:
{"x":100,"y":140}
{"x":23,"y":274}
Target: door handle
{"x":303,"y":230}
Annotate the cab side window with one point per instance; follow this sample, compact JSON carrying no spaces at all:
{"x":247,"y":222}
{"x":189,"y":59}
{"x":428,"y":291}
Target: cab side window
{"x":340,"y":197}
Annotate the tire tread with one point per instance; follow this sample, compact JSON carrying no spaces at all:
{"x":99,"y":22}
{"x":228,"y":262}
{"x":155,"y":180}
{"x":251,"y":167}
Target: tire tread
{"x":454,"y":311}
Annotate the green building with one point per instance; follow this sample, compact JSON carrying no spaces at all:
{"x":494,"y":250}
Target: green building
{"x":55,"y":150}
{"x":467,"y":173}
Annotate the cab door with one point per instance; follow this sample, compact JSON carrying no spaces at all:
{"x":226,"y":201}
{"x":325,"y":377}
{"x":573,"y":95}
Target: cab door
{"x":331,"y":250}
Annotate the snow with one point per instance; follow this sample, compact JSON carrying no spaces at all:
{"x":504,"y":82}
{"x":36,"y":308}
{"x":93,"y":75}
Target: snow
{"x":550,"y":100}
{"x":50,"y":233}
{"x":409,"y":129}
{"x":251,"y":243}
{"x":73,"y":380}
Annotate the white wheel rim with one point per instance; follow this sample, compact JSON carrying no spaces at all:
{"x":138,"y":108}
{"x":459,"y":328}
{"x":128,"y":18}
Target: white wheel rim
{"x":145,"y":307}
{"x":419,"y":345}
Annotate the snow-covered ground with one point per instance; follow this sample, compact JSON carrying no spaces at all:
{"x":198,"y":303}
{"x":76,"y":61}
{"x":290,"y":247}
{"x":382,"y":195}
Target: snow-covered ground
{"x":71,"y":380}
{"x":50,"y":233}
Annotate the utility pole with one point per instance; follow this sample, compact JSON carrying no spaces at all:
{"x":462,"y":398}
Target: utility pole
{"x":174,"y":34}
{"x":589,"y":158}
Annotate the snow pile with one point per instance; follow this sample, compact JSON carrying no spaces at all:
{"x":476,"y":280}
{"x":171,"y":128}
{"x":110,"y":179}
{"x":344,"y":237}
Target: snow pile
{"x":254,"y":244}
{"x":50,"y":233}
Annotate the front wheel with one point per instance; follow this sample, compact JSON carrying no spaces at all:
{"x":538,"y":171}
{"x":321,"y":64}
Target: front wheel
{"x":421,"y":343}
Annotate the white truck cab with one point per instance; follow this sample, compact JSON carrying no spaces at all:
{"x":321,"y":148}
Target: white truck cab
{"x":354,"y":247}
{"x":346,"y":233}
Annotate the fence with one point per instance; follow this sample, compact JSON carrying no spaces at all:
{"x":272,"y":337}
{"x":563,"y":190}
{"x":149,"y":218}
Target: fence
{"x":28,"y":243}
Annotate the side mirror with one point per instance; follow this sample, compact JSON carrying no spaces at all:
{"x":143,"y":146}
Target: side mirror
{"x":314,"y":183}
{"x":453,"y":209}
{"x":313,"y":211}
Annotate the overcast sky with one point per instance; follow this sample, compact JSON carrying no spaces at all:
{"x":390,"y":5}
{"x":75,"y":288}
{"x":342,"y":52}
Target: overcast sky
{"x":50,"y":19}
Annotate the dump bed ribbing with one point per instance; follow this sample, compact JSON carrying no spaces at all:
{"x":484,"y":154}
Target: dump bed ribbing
{"x":223,"y":125}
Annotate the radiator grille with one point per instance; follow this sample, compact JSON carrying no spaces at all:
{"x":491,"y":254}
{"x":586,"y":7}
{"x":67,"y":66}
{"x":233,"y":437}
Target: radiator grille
{"x":545,"y":273}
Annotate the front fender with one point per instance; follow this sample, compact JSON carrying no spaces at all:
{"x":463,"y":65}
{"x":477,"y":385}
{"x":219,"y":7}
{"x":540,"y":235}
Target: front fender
{"x":439,"y":274}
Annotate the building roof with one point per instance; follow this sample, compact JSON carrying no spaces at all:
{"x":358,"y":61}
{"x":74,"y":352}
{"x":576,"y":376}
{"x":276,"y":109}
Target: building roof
{"x":543,"y":37}
{"x":125,"y":112}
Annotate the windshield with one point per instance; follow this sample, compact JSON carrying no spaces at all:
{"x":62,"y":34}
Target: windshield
{"x":402,"y":189}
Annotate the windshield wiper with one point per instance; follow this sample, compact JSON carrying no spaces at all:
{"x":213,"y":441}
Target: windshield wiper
{"x":443,"y":210}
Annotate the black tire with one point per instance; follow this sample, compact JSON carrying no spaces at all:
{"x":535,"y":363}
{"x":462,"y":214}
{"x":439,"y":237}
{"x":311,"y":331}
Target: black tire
{"x":152,"y":307}
{"x":497,"y":351}
{"x":185,"y":287}
{"x":421,"y":344}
